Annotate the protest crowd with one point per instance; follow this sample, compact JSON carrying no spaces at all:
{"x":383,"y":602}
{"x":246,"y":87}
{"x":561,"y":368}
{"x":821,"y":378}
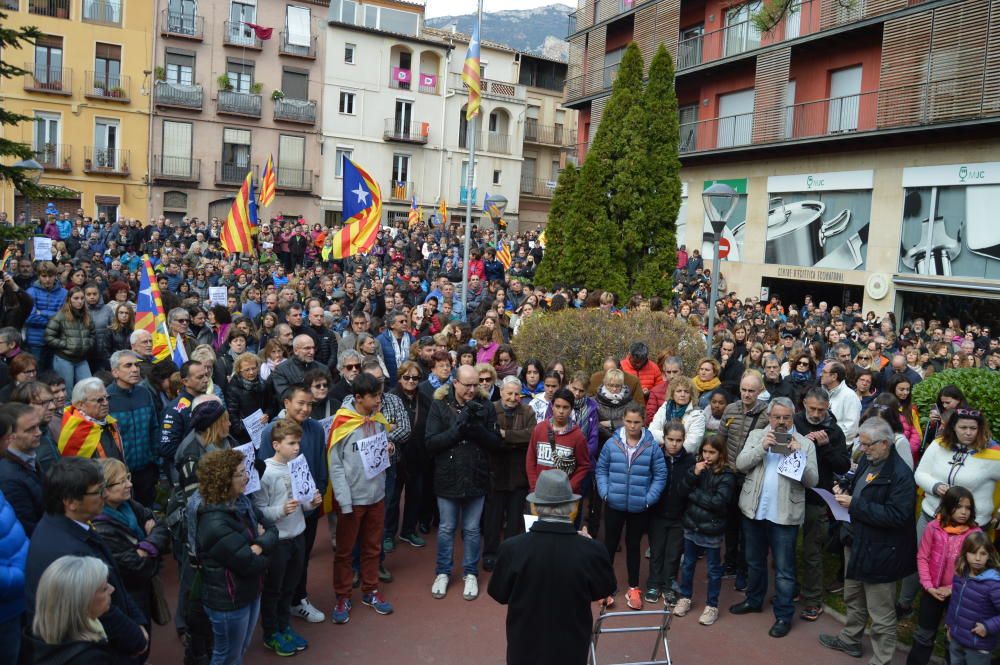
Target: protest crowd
{"x":371,"y":394}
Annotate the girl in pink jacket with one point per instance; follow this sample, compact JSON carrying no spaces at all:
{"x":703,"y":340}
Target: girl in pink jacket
{"x":939,"y":547}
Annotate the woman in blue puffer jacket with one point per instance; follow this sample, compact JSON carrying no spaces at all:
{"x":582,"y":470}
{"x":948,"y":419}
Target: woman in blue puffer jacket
{"x":631,"y":475}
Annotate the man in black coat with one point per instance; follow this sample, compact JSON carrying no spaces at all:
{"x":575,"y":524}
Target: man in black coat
{"x":548,"y":578}
{"x":74,"y":495}
{"x":881,"y":549}
{"x":775,"y":384}
{"x":20,"y":479}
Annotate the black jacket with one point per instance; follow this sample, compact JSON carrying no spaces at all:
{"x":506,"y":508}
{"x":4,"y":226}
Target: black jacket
{"x":413,"y":456}
{"x":708,"y":497}
{"x":459,"y":439}
{"x":883,"y":527}
{"x":507,"y":463}
{"x":22,"y":488}
{"x":244,"y":398}
{"x":832,"y":458}
{"x":548,"y":578}
{"x":326,"y":347}
{"x":780,"y":388}
{"x":231,"y":574}
{"x":69,"y":653}
{"x":673,"y":499}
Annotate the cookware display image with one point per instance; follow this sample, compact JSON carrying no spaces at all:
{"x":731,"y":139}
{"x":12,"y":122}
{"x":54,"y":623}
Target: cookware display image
{"x":821,"y":229}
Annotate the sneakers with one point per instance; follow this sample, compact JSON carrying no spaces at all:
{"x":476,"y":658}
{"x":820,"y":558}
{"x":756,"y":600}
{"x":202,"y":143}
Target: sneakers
{"x":471,"y":591}
{"x":633,"y":598}
{"x":413,"y":539}
{"x":669,"y":597}
{"x":682,"y":607}
{"x":342,"y":612}
{"x":652,"y":595}
{"x":812,"y":612}
{"x":377,"y":602}
{"x":279,"y":644}
{"x":307,"y":612}
{"x":834,"y":642}
{"x":296,"y":640}
{"x":383,"y":574}
{"x":440,"y":587}
{"x":388,"y":544}
{"x":709,"y":616}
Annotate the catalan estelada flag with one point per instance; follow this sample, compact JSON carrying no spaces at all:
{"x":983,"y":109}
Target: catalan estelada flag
{"x":414,"y":217}
{"x":149,"y":314}
{"x":253,"y":209}
{"x":236,"y":236}
{"x":81,"y":436}
{"x":471,"y":77}
{"x":345,"y":421}
{"x":268,"y":183}
{"x":503,"y":255}
{"x":362,"y":213}
{"x":443,"y":210}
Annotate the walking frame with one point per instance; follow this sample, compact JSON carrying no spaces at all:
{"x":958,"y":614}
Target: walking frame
{"x":664,"y":616}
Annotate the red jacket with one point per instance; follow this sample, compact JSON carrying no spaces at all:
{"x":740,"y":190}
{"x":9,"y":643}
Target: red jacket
{"x":649,"y":376}
{"x":539,"y":457}
{"x":657,"y":396}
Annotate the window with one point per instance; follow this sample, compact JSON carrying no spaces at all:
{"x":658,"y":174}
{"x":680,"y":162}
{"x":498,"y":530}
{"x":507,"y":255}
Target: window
{"x":235,"y":154}
{"x":240,"y":14}
{"x":182,"y":17}
{"x":343,"y":11}
{"x":349,"y":50}
{"x":106,"y":143}
{"x":49,"y":62}
{"x":341,"y":155}
{"x":175,"y":200}
{"x":240,"y":75}
{"x":689,"y":47}
{"x":101,"y":11}
{"x":382,"y":18}
{"x":180,"y":68}
{"x":400,"y":171}
{"x":177,"y":149}
{"x":497,"y":175}
{"x":46,"y":141}
{"x":612,"y":59}
{"x":465,"y":174}
{"x":107,"y":65}
{"x":494,"y":121}
{"x":556,"y":170}
{"x":295,"y":84}
{"x":741,"y":33}
{"x":560,"y":123}
{"x":689,"y":126}
{"x":735,"y":125}
{"x":107,"y":206}
{"x":347,"y":102}
{"x":403,"y":119}
{"x":298,"y":30}
{"x":291,"y":162}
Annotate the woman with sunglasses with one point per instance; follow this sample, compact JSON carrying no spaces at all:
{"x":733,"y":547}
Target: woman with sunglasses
{"x":412,"y":458}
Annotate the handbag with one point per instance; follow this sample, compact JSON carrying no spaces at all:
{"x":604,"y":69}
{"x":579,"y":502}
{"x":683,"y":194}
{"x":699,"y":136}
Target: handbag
{"x":565,"y":463}
{"x":159,"y":609}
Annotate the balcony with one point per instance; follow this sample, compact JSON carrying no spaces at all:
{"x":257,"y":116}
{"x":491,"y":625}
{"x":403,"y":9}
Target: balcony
{"x":182,"y":25}
{"x":105,"y":161}
{"x":178,"y":95}
{"x":52,"y":80}
{"x":401,"y":190}
{"x":463,"y":195}
{"x":491,"y":89}
{"x":406,"y":132}
{"x":917,"y":106}
{"x":537,"y":187}
{"x":232,"y":173}
{"x":243,"y":104}
{"x":98,"y":85}
{"x":176,"y":169}
{"x":571,"y":23}
{"x":103,"y":12}
{"x":56,"y":8}
{"x":295,"y":110}
{"x":53,"y":156}
{"x":297,"y":50}
{"x":239,"y":35}
{"x":593,"y":82}
{"x":298,"y":180}
{"x":488,"y":142}
{"x":547,"y":134}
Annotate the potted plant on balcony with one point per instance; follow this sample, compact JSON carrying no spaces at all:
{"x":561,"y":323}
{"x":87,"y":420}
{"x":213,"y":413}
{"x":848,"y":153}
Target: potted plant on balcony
{"x":276,"y":95}
{"x":224,"y":82}
{"x":256,"y":88}
{"x":160,"y":73}
{"x":117,"y":92}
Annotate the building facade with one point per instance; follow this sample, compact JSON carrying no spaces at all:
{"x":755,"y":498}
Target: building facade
{"x":87,"y":89}
{"x":225,"y":100}
{"x":861,"y":136}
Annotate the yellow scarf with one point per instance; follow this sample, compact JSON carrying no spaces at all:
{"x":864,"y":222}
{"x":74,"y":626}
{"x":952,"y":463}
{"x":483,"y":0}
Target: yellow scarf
{"x":345,"y":421}
{"x":705,"y":386}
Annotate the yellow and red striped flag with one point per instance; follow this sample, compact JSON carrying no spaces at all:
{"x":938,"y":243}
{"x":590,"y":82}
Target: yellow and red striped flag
{"x":236,"y":236}
{"x":149,"y":313}
{"x":414,"y":217}
{"x":443,"y":210}
{"x":503,"y":255}
{"x":362,"y":213}
{"x":471,"y":76}
{"x":268,"y":183}
{"x":81,"y":437}
{"x":345,"y":421}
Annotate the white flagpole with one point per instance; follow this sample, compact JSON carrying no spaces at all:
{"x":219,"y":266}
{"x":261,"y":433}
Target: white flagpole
{"x":471,"y":176}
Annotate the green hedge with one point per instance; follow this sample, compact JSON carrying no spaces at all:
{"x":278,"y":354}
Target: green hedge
{"x":980,"y":386}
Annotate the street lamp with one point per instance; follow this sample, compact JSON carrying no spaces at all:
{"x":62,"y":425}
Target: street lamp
{"x":32,"y":171}
{"x":720,"y":201}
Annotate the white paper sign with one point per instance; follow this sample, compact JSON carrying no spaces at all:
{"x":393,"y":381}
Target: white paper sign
{"x":840,"y":513}
{"x":529,"y":520}
{"x":218,"y":295}
{"x":249,"y":454}
{"x":793,"y":465}
{"x":374,"y":452}
{"x":43,"y":249}
{"x":255,"y":425}
{"x":303,"y":485}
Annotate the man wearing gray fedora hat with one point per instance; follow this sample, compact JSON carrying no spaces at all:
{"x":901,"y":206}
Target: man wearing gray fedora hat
{"x":548,"y":578}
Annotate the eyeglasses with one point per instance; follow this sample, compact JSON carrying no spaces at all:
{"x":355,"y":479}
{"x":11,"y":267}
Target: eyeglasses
{"x":321,"y":386}
{"x":485,"y":380}
{"x":410,"y":377}
{"x":182,"y":320}
{"x":97,"y":492}
{"x":352,"y":366}
{"x":126,"y":479}
{"x":467,"y":385}
{"x":972,"y":413}
{"x":98,"y":400}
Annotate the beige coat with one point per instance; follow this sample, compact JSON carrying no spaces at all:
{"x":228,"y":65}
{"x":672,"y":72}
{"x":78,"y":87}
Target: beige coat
{"x":791,"y":499}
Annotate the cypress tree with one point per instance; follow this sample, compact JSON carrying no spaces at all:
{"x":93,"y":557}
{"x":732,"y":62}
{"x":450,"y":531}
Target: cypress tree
{"x":553,"y":267}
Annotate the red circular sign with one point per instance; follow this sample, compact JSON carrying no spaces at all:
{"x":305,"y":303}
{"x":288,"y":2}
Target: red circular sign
{"x":724,"y":248}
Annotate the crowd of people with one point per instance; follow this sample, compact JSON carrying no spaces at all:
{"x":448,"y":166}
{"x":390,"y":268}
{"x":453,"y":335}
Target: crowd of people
{"x":415,"y":415}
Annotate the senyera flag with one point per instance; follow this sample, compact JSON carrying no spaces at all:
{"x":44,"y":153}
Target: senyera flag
{"x":471,"y":76}
{"x":149,"y":314}
{"x":268,"y":183}
{"x":236,"y":236}
{"x":362,"y":213}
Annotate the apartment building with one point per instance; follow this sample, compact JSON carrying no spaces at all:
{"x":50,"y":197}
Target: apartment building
{"x":861,"y":136}
{"x":225,"y":99}
{"x":87,"y":89}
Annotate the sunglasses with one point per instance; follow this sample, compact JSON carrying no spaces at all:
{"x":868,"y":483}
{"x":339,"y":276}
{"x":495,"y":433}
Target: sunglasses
{"x":972,"y":413}
{"x":352,"y":366}
{"x":409,"y":377}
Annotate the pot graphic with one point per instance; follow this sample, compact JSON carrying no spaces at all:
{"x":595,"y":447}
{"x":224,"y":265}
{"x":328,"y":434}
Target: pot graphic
{"x":794,"y":232}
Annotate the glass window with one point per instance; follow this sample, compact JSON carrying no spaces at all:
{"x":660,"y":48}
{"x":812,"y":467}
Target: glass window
{"x":107,"y":65}
{"x":400,"y":168}
{"x":349,"y":52}
{"x":49,"y":61}
{"x":347,"y":102}
{"x":235,"y":154}
{"x":371,"y":16}
{"x":341,"y":155}
{"x":240,"y":76}
{"x":295,"y":84}
{"x":393,"y":20}
{"x":180,"y":68}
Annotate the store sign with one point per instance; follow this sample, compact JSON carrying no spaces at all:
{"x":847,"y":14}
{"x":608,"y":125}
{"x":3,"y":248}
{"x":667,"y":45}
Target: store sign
{"x":983,"y":173}
{"x":812,"y":275}
{"x":821,"y":182}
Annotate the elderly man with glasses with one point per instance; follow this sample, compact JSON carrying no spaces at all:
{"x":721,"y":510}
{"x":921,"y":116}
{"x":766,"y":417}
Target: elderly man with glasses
{"x":88,"y":430}
{"x":293,"y":371}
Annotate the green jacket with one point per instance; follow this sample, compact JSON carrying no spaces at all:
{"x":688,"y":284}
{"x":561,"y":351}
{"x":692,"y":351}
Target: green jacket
{"x":69,"y":338}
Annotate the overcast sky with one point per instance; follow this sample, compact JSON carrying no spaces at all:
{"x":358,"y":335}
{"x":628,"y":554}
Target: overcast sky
{"x":459,"y":7}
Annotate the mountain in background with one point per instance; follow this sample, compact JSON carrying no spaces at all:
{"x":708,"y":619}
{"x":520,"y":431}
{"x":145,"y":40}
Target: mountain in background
{"x":540,"y":31}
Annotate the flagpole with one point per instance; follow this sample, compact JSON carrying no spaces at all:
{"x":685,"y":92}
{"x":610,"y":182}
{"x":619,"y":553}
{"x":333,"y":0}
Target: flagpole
{"x":469,"y":180}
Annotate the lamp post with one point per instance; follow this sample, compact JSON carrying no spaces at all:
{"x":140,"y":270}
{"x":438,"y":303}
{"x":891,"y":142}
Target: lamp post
{"x":720,"y":201}
{"x":32,"y":173}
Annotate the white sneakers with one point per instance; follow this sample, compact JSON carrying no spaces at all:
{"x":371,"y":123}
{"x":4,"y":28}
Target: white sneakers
{"x":440,"y":587}
{"x":709,"y":616}
{"x":471,"y":591}
{"x":682,"y":607}
{"x":308,"y":612}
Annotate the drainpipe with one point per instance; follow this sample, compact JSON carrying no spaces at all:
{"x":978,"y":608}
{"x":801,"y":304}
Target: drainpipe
{"x":444,"y":117}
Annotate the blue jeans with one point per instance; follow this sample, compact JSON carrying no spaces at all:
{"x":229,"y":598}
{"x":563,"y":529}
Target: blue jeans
{"x":232,"y":632}
{"x":471,"y":509}
{"x":761,"y":536}
{"x":71,"y":372}
{"x":713,"y":555}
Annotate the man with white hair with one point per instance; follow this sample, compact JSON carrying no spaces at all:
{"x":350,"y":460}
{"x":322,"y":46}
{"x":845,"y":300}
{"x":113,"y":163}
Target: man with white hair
{"x":141,"y":343}
{"x":88,"y":430}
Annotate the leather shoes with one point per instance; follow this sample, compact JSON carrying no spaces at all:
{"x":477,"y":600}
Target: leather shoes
{"x":743,"y":608}
{"x":780,"y":628}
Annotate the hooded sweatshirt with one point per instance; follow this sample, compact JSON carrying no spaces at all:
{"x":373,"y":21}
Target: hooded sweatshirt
{"x":347,"y":471}
{"x":275,"y":491}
